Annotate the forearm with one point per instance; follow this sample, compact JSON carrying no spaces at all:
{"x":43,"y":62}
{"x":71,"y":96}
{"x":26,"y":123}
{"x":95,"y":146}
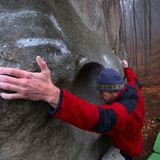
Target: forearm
{"x":52,"y":100}
{"x":130,"y":75}
{"x":76,"y":111}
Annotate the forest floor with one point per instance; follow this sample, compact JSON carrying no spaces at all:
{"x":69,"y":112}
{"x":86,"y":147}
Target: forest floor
{"x":151,"y":93}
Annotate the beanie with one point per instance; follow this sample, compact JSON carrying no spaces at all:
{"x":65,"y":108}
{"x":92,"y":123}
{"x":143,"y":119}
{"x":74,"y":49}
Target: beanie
{"x":109,"y":80}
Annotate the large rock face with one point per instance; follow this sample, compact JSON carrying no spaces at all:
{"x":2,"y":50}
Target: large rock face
{"x":74,"y":51}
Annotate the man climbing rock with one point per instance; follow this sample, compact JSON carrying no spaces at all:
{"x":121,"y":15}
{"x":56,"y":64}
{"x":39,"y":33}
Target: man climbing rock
{"x":121,"y":118}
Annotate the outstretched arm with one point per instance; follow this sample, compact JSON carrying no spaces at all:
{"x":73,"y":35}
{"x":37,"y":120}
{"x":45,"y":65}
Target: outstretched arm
{"x":130,"y":75}
{"x":64,"y":105}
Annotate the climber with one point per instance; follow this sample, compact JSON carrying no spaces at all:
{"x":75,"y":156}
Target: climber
{"x":121,"y":118}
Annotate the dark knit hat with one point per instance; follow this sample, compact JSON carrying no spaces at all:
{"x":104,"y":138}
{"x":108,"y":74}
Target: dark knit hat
{"x":109,"y":80}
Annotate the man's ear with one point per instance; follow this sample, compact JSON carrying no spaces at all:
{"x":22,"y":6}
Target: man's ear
{"x":115,"y":93}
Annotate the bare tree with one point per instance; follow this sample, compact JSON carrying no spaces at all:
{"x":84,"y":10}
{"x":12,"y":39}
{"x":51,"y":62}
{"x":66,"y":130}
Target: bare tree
{"x":147,"y":34}
{"x":139,"y":15}
{"x":135,"y":32}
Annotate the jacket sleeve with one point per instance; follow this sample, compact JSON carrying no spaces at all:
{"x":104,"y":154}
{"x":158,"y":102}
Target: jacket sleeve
{"x":131,"y":77}
{"x":83,"y":114}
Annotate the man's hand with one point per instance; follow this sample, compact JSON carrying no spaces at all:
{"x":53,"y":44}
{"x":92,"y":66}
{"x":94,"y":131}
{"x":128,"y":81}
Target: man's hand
{"x":124,"y":63}
{"x":29,"y":85}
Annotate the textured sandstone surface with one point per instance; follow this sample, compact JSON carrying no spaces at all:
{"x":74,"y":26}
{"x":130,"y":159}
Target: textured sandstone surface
{"x":74,"y":51}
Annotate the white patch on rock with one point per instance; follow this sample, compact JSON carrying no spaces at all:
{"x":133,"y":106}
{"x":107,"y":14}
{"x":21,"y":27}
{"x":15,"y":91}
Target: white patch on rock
{"x":33,"y":42}
{"x":13,"y":15}
{"x":56,"y":24}
{"x":83,"y":60}
{"x":106,"y":61}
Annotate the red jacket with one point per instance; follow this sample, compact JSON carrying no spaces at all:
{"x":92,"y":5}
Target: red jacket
{"x":122,"y":119}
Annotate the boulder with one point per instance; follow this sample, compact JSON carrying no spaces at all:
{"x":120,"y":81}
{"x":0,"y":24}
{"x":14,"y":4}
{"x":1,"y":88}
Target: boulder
{"x":75,"y":53}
